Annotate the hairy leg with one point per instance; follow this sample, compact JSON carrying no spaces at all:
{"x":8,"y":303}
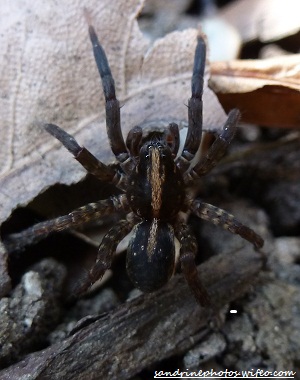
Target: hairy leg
{"x":106,"y":251}
{"x":195,"y":106}
{"x":218,"y":148}
{"x":113,"y":118}
{"x":91,"y":164}
{"x":188,"y":252}
{"x":93,"y":211}
{"x":222,"y":218}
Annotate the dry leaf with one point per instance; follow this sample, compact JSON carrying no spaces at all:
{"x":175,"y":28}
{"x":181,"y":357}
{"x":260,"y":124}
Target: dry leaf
{"x":265,"y":20}
{"x":49,"y":75}
{"x":266,"y":91}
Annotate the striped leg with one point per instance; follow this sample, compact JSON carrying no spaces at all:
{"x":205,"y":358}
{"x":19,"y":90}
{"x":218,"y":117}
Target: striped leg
{"x":222,"y":218}
{"x":76,"y":218}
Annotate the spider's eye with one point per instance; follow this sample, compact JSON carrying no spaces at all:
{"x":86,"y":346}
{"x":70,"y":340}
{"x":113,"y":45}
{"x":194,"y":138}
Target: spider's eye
{"x":148,"y":152}
{"x":156,"y":151}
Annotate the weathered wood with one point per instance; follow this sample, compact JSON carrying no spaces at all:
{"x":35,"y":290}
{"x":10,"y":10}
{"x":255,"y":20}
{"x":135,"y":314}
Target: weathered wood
{"x":144,"y":330}
{"x":5,"y":283}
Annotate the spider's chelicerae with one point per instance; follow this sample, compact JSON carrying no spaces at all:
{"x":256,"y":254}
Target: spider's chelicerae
{"x":153,"y":181}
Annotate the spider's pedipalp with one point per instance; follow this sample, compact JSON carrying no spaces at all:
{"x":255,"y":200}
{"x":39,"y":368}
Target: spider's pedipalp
{"x":83,"y":156}
{"x":226,"y":220}
{"x":172,"y":138}
{"x":133,"y":140}
{"x":195,"y":106}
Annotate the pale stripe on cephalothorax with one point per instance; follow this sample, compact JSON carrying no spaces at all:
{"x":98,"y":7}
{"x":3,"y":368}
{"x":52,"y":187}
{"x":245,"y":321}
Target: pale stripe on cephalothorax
{"x":156,"y":180}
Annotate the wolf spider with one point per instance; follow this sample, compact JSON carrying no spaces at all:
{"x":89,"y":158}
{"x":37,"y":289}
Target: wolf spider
{"x":153,"y":179}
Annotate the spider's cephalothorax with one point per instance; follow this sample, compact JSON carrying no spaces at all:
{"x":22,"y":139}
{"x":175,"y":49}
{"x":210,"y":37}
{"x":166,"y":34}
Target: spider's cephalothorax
{"x":153,"y":179}
{"x":155,"y":186}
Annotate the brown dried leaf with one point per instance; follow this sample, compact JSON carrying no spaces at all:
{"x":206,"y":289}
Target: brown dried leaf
{"x":265,"y":20}
{"x":266,"y":91}
{"x":48,"y":75}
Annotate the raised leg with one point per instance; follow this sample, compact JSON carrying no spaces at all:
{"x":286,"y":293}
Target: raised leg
{"x":188,"y":251}
{"x":218,"y":148}
{"x":113,"y":118}
{"x":83,"y":156}
{"x":222,"y":218}
{"x":106,"y":250}
{"x":93,"y":211}
{"x":195,"y":107}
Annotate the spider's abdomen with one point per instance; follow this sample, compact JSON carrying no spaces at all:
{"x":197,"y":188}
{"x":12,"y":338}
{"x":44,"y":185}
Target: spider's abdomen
{"x":156,"y":187}
{"x":151,"y":255}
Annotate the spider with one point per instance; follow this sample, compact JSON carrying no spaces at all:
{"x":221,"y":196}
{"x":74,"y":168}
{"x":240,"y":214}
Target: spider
{"x":153,"y":180}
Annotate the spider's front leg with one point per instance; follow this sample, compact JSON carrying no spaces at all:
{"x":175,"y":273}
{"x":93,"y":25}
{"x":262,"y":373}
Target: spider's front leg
{"x":90,"y":212}
{"x":188,"y":251}
{"x":195,"y":107}
{"x":112,"y":106}
{"x":106,"y":250}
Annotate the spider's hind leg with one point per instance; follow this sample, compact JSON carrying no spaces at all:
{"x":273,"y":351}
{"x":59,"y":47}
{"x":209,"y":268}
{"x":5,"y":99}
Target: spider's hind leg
{"x":106,"y":250}
{"x":188,"y":251}
{"x":195,"y":106}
